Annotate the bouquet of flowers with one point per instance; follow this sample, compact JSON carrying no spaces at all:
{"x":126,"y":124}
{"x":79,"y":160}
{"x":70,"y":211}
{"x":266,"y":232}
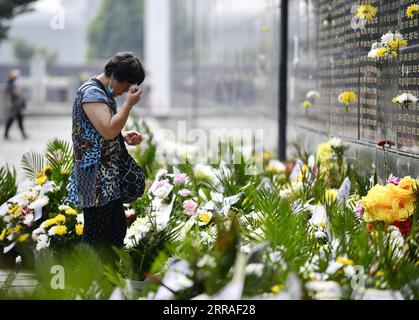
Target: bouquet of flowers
{"x":60,"y":230}
{"x":405,"y":100}
{"x":22,"y":212}
{"x":387,"y":48}
{"x":311,"y":96}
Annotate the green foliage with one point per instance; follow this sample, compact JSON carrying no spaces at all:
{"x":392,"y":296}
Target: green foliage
{"x":8,"y":185}
{"x":10,"y":9}
{"x":85,"y":275}
{"x":32,"y":163}
{"x":117,"y":26}
{"x":147,"y":249}
{"x":23,"y":50}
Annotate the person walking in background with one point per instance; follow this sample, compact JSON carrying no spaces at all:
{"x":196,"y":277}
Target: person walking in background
{"x":16,"y":104}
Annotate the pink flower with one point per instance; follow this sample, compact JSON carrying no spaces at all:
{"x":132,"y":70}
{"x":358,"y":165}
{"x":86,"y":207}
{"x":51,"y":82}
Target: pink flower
{"x":190,"y":207}
{"x":180,"y":178}
{"x":185,"y":192}
{"x":394,"y":180}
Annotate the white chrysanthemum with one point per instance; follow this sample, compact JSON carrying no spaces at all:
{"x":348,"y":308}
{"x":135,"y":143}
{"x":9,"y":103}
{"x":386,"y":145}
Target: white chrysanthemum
{"x":37,"y":232}
{"x":64,"y":207}
{"x":336,"y":142}
{"x":254,"y":268}
{"x":136,"y":232}
{"x":313,"y":94}
{"x":28,"y":219}
{"x":387,"y":37}
{"x":206,"y":260}
{"x":80,"y":218}
{"x":42,"y":242}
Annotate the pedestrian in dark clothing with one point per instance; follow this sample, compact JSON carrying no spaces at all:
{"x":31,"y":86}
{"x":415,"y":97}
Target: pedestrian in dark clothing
{"x":16,"y":103}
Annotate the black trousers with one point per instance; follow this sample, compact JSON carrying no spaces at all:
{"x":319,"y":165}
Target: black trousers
{"x":105,"y":226}
{"x":9,"y":123}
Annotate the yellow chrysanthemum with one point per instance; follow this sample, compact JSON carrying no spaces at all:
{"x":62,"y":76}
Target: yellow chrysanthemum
{"x":71,"y":212}
{"x":306,"y":104}
{"x":3,"y":235}
{"x":389,"y":203}
{"x":412,"y":10}
{"x":366,"y":11}
{"x":23,"y":238}
{"x":381,"y":52}
{"x":49,"y":222}
{"x":41,"y":178}
{"x":276,"y":288}
{"x":397,"y":43}
{"x":344,"y":261}
{"x":15,"y":229}
{"x":79,"y":229}
{"x":324,"y":153}
{"x":348,"y":97}
{"x":60,"y":218}
{"x":60,"y":230}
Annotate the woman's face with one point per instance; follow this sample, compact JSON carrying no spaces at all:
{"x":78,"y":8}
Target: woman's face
{"x":119,"y":88}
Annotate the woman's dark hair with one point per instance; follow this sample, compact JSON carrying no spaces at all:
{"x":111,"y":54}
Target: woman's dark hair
{"x":125,"y":67}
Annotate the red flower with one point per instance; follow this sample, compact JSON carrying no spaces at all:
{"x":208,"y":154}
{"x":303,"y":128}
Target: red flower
{"x":385,"y":143}
{"x":404,"y":226}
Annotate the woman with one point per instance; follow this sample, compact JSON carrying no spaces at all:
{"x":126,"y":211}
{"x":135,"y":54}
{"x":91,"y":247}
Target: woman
{"x":94,"y":183}
{"x":17,"y":104}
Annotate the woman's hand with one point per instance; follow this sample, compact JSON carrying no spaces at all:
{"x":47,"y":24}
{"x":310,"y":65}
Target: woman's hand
{"x":132,"y":138}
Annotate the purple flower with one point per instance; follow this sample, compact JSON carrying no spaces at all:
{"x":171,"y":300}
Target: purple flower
{"x":180,"y":178}
{"x":359,"y":210}
{"x":394,"y":180}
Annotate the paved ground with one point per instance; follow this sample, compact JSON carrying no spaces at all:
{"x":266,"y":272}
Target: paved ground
{"x":15,"y":285}
{"x":40,"y":130}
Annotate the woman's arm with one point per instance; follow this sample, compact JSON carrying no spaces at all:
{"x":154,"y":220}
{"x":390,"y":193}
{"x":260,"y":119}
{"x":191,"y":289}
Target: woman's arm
{"x":107,"y":125}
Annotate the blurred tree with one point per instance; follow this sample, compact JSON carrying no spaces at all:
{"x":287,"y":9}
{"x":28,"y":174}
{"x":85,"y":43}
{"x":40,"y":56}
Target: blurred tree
{"x":23,"y":50}
{"x":8,"y":10}
{"x":50,"y":56}
{"x":118,"y":26}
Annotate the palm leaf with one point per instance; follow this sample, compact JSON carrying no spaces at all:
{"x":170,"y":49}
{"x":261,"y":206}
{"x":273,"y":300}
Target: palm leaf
{"x":59,"y":155}
{"x":32,"y":162}
{"x":8,"y":186}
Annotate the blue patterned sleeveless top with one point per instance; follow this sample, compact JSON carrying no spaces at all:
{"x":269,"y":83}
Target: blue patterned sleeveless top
{"x":94,"y":180}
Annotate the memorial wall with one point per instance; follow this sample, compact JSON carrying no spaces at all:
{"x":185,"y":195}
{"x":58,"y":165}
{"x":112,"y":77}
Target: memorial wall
{"x":330,"y":53}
